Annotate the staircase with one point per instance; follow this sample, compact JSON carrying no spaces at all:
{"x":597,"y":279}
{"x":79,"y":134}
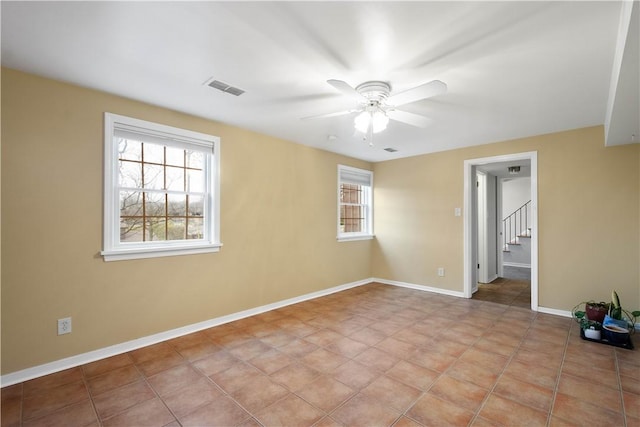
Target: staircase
{"x":516,"y":233}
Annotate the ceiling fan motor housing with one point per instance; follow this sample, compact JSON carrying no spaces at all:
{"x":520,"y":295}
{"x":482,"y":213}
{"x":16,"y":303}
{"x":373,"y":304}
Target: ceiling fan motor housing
{"x":374,"y":90}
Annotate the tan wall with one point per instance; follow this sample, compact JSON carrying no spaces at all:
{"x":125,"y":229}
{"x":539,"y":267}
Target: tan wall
{"x":278,"y":227}
{"x":588,"y":198}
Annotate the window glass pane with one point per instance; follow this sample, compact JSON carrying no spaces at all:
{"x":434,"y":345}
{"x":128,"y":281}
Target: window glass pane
{"x":177,"y":205}
{"x":175,"y":156}
{"x":351,"y":193}
{"x":196,"y":206}
{"x":130,"y":203}
{"x":155,"y":229}
{"x":195,"y":228}
{"x":130,"y":174}
{"x":129,"y":149}
{"x":131,"y":229}
{"x":351,"y":219}
{"x":153,"y":177}
{"x":195,"y":181}
{"x":176,"y":228}
{"x":175,"y":178}
{"x":130,"y":216}
{"x":195,"y":159}
{"x":154,"y":204}
{"x":153,"y":153}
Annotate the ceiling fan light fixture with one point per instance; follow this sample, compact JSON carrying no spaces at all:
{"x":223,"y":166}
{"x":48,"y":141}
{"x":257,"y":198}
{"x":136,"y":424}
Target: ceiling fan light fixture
{"x":376,"y":120}
{"x":379,"y":121}
{"x":362,"y":122}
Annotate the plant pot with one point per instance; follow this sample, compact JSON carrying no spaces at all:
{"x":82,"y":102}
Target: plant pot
{"x":596,"y":312}
{"x":593,"y":334}
{"x":615,"y":334}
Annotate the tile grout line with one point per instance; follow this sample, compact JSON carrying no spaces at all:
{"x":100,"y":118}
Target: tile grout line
{"x":484,"y":401}
{"x":93,"y":404}
{"x":559,"y":375}
{"x":624,"y":411}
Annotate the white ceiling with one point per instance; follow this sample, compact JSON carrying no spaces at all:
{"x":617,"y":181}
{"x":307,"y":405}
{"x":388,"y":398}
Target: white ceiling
{"x":513,"y":69}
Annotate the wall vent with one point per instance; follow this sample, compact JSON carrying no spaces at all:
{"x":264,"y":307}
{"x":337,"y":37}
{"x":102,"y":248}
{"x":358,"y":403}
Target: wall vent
{"x":224,"y":87}
{"x":390,"y":150}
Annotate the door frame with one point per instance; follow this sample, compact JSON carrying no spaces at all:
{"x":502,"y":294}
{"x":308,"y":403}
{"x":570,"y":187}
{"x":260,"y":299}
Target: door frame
{"x":470,"y":226}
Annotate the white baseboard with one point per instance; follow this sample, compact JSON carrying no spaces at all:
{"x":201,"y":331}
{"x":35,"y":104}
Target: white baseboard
{"x":92,"y":356}
{"x":419,"y":287}
{"x":516,"y":264}
{"x":563,"y":313}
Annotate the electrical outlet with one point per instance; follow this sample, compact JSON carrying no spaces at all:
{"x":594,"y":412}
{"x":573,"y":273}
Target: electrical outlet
{"x":441,"y":271}
{"x":64,"y":326}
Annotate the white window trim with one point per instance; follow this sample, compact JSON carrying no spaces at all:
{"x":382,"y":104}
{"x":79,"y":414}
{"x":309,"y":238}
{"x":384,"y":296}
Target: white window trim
{"x":353,"y":236}
{"x":113,"y":250}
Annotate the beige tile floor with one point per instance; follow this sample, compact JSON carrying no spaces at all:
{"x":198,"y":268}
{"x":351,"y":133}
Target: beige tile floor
{"x":375,"y":355}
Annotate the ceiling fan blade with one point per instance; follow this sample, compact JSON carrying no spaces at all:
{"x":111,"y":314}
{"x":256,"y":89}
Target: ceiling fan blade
{"x":409,"y":118}
{"x":426,"y":90}
{"x":321,"y":116}
{"x":346,"y":90}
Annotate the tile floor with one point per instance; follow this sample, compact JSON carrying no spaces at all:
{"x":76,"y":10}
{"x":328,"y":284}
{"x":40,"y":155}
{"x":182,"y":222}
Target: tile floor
{"x":512,"y":289}
{"x":375,"y":355}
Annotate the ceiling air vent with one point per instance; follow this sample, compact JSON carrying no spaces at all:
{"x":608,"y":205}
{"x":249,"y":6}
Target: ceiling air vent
{"x":221,"y":86}
{"x":390,"y":150}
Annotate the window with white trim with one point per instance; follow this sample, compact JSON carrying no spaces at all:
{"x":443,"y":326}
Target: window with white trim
{"x":355,"y":203}
{"x":161,"y":190}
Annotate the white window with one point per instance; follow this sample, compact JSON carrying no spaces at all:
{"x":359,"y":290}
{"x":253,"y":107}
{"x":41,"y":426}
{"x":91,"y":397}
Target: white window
{"x":355,"y":203}
{"x":161,"y":190}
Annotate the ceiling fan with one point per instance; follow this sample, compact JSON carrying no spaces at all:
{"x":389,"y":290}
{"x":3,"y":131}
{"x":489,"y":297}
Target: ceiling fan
{"x":377,"y":105}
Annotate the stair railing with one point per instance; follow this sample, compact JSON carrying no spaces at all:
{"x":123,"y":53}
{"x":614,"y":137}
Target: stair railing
{"x":516,"y":225}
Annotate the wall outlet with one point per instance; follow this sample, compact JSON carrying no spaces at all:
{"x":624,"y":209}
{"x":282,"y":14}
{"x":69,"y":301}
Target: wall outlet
{"x":64,"y":326}
{"x":441,"y":271}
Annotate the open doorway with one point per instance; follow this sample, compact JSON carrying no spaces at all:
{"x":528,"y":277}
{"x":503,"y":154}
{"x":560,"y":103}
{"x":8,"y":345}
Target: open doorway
{"x":504,"y":233}
{"x":493,"y":249}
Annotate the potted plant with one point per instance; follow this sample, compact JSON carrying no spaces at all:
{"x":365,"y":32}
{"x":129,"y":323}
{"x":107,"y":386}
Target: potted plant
{"x":616,"y":312}
{"x":619,"y":323}
{"x":596,"y":310}
{"x":591,"y":329}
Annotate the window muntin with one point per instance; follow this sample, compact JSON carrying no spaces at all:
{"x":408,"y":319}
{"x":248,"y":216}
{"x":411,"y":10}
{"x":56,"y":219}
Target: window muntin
{"x":161,"y":190}
{"x":354,"y":203}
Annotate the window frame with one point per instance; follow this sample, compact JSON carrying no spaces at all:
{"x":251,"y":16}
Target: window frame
{"x":362,"y":176}
{"x":113,"y":249}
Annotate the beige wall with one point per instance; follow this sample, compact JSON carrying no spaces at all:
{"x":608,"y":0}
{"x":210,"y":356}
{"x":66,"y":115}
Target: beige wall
{"x":278,"y":227}
{"x":588,"y":198}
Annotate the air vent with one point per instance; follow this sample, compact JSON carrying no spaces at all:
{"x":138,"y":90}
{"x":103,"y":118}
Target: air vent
{"x":223,"y":87}
{"x":390,"y":150}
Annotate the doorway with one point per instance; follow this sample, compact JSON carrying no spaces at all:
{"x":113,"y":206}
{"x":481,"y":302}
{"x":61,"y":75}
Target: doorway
{"x":473,"y":226}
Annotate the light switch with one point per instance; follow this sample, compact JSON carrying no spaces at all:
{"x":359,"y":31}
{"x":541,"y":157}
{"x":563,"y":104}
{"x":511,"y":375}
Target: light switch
{"x":458,"y":212}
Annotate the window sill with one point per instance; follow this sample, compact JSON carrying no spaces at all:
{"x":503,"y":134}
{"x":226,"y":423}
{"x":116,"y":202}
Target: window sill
{"x":355,"y":237}
{"x":158,"y":251}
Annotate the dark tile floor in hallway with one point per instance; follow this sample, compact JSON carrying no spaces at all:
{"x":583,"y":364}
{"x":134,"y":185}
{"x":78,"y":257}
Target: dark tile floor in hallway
{"x":514,"y":288}
{"x":375,"y":355}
